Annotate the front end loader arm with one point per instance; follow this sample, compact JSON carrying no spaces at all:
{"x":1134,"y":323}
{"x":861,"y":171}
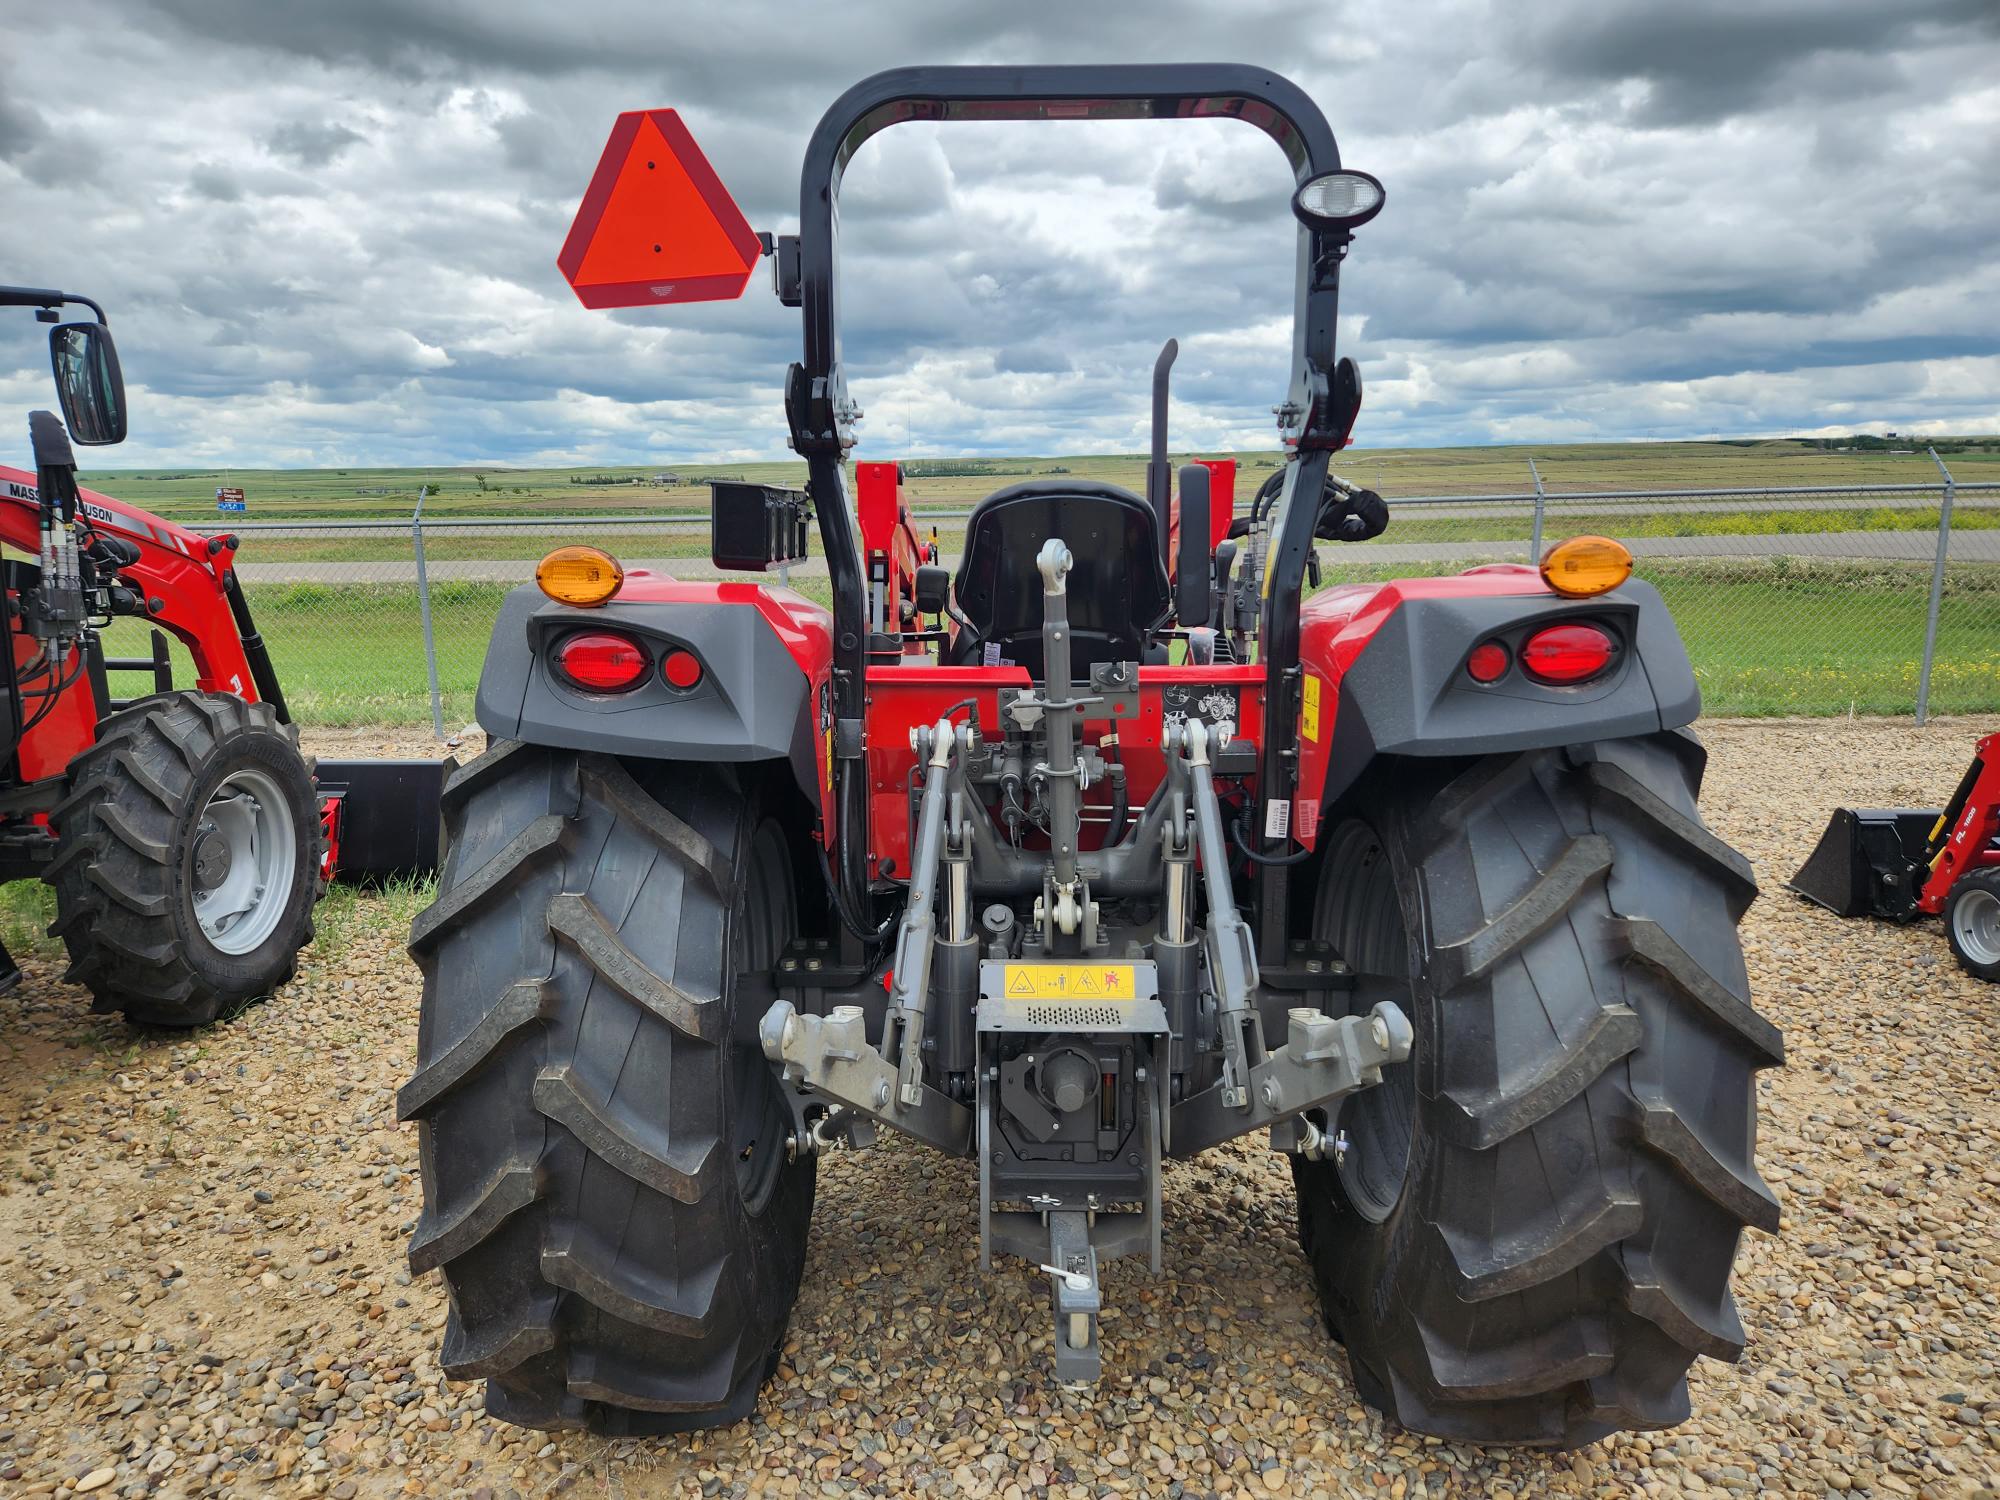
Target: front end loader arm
{"x":182,"y":581}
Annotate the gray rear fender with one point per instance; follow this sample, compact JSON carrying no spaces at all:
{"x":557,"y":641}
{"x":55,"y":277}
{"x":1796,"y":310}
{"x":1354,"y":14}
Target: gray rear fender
{"x":1408,"y":693}
{"x":753,"y":703}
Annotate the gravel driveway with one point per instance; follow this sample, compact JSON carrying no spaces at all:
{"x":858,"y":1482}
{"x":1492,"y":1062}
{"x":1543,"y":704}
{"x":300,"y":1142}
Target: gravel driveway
{"x":202,"y":1286}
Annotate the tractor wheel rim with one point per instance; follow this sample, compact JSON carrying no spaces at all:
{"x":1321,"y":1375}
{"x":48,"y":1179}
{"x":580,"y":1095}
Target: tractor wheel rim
{"x":760,"y":1120}
{"x":250,"y":820}
{"x":1975,"y":923}
{"x":1362,"y":915}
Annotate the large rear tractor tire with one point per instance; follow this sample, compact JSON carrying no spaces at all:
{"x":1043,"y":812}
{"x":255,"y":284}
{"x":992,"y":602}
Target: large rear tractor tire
{"x":187,"y":858}
{"x":1529,"y":1235}
{"x":607,"y":1187}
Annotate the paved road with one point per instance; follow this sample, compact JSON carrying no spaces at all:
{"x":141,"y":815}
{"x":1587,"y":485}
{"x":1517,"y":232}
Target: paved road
{"x":1874,"y":546}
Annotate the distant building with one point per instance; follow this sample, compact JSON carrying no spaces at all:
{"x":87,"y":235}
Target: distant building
{"x":666,"y":479}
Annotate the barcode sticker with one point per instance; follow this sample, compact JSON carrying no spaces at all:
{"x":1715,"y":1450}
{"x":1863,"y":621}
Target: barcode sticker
{"x":1308,"y":817}
{"x":992,"y":653}
{"x":1277,"y":819}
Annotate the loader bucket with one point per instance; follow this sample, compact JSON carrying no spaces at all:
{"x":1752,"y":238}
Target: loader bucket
{"x":1869,"y":862}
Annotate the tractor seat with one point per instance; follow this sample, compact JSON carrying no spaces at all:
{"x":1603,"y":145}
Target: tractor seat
{"x":1118,"y":591}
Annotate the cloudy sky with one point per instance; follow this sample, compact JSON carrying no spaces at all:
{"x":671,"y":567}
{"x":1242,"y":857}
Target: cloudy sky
{"x":326,"y":233}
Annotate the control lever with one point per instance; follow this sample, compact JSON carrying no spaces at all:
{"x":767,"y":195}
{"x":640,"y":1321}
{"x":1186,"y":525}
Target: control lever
{"x":1076,"y":1281}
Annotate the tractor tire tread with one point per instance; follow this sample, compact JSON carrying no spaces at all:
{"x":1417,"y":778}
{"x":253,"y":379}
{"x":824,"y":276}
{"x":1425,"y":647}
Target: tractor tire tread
{"x":440,"y":1237}
{"x":509,"y":866}
{"x":1474,"y":956}
{"x":1590,"y":965}
{"x":502,"y":1345}
{"x":580,"y":1263}
{"x":523,"y":1004}
{"x":1491,"y":1116}
{"x":1497,"y":1269}
{"x":575,"y":918}
{"x":601,"y":1277}
{"x":120,"y":833}
{"x":1651,"y":946}
{"x":679,"y":1170}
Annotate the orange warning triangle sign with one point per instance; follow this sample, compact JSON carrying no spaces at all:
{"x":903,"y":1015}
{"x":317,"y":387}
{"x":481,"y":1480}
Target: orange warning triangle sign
{"x":656,"y":224}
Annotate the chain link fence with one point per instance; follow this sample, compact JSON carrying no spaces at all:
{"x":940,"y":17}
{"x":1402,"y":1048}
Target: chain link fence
{"x":1876,"y":600}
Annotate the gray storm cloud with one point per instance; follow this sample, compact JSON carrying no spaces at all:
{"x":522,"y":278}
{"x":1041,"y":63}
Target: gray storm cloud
{"x":327,"y":234}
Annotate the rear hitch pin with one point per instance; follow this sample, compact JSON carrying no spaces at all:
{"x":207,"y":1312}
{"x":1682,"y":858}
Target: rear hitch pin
{"x":1072,"y":1265}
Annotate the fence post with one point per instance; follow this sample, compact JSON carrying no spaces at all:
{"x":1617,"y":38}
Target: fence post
{"x":1535,"y":544}
{"x":424,"y":604}
{"x":1937,"y":591}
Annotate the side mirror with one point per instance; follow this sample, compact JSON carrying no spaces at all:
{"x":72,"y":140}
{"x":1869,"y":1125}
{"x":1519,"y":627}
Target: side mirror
{"x":89,"y":382}
{"x":1194,"y":575}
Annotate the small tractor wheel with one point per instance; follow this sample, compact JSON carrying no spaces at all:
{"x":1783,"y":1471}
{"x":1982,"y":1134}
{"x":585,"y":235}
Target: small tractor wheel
{"x":1527,"y":1233}
{"x":607,"y":1184}
{"x":187,"y":858}
{"x":1972,"y":923}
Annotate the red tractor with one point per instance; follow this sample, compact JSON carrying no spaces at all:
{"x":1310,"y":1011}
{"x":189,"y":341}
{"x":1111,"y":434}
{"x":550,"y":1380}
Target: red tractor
{"x":1090,"y":852}
{"x":180,"y":828}
{"x":1903,"y":863}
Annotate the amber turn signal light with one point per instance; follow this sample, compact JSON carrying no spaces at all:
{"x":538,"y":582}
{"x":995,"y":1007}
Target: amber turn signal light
{"x":1586,"y":565}
{"x":582,"y":576}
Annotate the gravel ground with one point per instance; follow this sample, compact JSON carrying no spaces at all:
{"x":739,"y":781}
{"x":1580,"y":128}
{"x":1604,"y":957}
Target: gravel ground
{"x":202,"y":1286}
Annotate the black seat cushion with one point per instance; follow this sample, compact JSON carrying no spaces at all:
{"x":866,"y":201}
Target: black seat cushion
{"x":1118,"y":590}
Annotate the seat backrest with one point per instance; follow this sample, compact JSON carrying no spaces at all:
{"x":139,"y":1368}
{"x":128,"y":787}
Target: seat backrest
{"x":1118,"y":590}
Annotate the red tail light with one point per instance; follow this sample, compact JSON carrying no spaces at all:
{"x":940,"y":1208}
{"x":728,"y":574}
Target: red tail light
{"x":1488,"y":662}
{"x":1568,"y":653}
{"x":682,"y":669}
{"x":599,"y":661}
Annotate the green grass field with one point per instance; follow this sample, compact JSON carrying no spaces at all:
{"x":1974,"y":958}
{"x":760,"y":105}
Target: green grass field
{"x":303,"y":494}
{"x":1776,"y":636}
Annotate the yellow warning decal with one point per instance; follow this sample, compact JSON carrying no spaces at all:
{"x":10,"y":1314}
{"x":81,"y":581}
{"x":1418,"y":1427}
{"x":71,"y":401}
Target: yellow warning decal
{"x":1309,"y":709}
{"x":1070,"y":981}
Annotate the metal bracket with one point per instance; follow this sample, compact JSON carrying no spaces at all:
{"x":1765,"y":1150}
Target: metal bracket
{"x":1232,"y":949}
{"x":830,"y":1055}
{"x":827,"y":1131}
{"x":903,"y":1035}
{"x":1324,"y":1059}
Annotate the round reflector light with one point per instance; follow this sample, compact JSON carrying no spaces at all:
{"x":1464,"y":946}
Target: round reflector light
{"x":682,"y":669}
{"x":1339,"y":200}
{"x":600,"y":662}
{"x":1488,"y":662}
{"x":1586,"y":565}
{"x":583,"y":576}
{"x":1567,"y":653}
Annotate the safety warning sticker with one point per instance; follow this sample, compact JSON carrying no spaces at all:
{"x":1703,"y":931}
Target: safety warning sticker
{"x":1070,"y":981}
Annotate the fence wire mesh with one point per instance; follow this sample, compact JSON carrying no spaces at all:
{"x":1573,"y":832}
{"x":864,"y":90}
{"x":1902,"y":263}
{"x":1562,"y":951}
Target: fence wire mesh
{"x":1800,"y":601}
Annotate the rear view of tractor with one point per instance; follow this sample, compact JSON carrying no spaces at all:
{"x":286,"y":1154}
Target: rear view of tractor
{"x":1104,"y":845}
{"x":180,"y":828}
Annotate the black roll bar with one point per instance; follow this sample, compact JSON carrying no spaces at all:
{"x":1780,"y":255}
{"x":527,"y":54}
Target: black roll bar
{"x":822,"y":416}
